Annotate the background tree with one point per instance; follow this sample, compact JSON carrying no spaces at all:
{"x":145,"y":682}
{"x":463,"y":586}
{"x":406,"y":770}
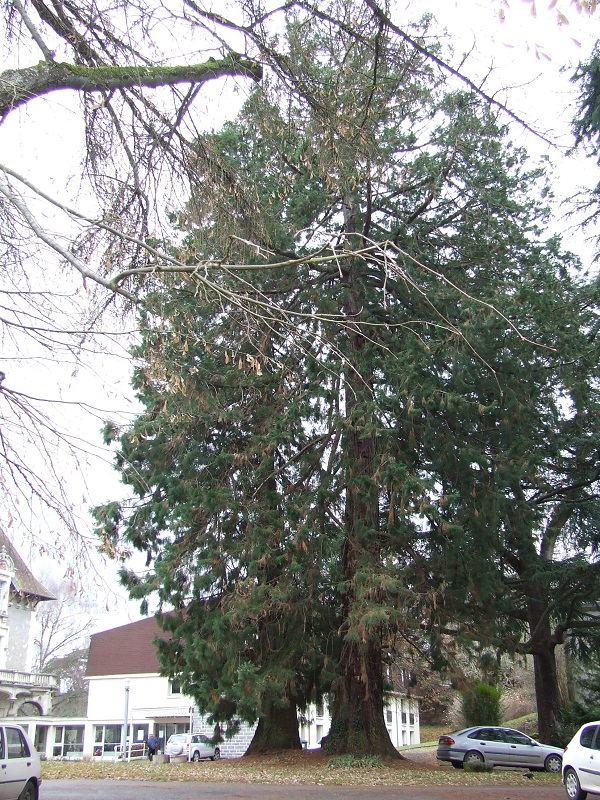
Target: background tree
{"x":532,"y":464}
{"x":586,"y":128}
{"x":63,"y":626}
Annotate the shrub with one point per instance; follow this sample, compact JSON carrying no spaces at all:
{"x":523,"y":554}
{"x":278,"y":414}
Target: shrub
{"x":481,"y":704}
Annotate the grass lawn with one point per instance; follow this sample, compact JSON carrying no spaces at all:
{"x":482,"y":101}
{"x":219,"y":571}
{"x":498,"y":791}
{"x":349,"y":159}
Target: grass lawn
{"x":306,"y":767}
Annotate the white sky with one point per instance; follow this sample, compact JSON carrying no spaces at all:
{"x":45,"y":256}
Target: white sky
{"x":525,"y":52}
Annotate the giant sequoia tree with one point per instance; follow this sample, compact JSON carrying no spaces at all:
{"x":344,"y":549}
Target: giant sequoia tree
{"x":136,"y":95}
{"x":354,"y":428}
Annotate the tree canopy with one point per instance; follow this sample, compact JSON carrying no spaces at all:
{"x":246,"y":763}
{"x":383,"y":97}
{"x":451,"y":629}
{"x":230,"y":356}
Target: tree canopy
{"x":374,"y":413}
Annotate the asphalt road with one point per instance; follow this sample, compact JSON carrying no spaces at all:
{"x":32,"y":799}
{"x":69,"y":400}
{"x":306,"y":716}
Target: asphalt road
{"x":151,"y":790}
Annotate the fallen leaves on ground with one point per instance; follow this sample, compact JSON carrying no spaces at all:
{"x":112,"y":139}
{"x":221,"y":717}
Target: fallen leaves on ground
{"x":306,"y":767}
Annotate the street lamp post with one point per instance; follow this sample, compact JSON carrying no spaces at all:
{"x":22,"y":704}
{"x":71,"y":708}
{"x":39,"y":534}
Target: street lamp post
{"x":125,"y":722}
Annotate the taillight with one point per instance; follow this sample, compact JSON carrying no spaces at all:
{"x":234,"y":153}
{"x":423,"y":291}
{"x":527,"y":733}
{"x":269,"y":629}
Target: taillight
{"x":446,"y":740}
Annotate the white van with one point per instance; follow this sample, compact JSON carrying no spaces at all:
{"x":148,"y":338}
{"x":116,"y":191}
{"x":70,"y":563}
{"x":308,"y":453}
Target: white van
{"x":20,"y":767}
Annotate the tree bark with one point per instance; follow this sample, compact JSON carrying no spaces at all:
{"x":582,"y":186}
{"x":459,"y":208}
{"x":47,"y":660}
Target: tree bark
{"x":277,"y":729}
{"x":358,"y":725}
{"x":547,"y":693}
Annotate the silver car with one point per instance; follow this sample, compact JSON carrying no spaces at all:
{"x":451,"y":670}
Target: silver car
{"x":194,"y":746}
{"x":498,"y":747}
{"x":20,"y":767}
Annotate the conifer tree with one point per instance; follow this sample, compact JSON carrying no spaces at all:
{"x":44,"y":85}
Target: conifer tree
{"x":349,"y":452}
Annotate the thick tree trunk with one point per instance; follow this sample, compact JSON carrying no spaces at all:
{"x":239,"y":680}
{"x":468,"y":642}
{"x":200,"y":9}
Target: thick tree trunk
{"x":358,"y":724}
{"x":277,"y":729}
{"x":547,"y":694}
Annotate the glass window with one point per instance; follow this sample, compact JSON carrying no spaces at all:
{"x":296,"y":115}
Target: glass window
{"x":388,"y":715}
{"x":73,"y":739}
{"x":175,"y":686}
{"x":516,"y":737}
{"x":106,"y":737}
{"x":587,"y":735}
{"x":41,"y":737}
{"x":16,"y":744}
{"x":2,"y":756}
{"x":487,"y":735}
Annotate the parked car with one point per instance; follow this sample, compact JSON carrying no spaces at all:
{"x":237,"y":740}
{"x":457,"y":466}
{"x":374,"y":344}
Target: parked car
{"x":497,"y":747}
{"x":194,"y":746}
{"x":581,"y":762}
{"x":20,"y":767}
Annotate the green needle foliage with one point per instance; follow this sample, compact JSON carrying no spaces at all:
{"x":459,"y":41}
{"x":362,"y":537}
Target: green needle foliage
{"x":392,"y":428}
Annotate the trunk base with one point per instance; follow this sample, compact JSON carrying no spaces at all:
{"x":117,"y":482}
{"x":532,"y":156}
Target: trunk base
{"x":277,"y":730}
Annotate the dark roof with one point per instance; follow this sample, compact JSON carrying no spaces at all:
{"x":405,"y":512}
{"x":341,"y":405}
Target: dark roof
{"x":127,"y":650}
{"x":23,"y":581}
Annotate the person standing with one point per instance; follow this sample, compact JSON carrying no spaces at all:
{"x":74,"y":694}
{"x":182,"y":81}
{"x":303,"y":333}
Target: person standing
{"x":152,"y":746}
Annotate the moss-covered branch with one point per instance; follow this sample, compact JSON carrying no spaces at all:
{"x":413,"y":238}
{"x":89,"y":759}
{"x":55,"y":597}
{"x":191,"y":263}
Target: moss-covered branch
{"x":19,"y":86}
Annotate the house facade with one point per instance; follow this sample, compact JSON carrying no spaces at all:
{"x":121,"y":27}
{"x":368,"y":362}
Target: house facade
{"x":22,"y":692}
{"x":127,"y":692}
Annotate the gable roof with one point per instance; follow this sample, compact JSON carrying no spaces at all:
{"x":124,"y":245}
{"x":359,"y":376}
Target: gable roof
{"x":23,"y":581}
{"x":127,"y":650}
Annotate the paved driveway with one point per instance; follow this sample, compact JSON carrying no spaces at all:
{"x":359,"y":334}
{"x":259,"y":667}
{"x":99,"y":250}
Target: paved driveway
{"x":151,"y":790}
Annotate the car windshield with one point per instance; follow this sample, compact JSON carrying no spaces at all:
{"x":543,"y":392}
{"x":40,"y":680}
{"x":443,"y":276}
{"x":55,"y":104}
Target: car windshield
{"x":177,"y":737}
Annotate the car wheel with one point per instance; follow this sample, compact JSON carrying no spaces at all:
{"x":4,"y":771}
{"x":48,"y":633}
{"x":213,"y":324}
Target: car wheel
{"x":473,"y":758}
{"x":29,"y":792}
{"x":572,"y":785}
{"x":196,"y":756}
{"x":217,"y":755}
{"x":553,"y":763}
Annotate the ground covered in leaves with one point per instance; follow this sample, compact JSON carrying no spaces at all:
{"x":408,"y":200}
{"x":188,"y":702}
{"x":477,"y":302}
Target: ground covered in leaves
{"x":419,"y":766}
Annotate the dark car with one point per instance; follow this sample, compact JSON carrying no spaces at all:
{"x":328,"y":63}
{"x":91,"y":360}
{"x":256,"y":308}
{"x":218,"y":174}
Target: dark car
{"x":498,"y":747}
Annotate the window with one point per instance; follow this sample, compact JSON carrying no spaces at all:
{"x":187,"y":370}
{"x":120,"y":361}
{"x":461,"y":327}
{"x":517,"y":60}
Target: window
{"x":68,"y":741}
{"x":487,"y":735}
{"x":175,"y":686}
{"x":106,"y":738}
{"x":16,"y":744}
{"x":587,"y":735}
{"x":41,"y":737}
{"x":516,"y":737}
{"x":388,"y":715}
{"x":319,"y":710}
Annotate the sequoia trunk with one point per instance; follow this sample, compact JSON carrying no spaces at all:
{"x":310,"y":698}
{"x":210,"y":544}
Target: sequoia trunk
{"x":277,"y":729}
{"x":357,"y":722}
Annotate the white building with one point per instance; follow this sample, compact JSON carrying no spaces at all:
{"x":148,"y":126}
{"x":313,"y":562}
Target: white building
{"x":125,"y":684}
{"x":21,"y":691}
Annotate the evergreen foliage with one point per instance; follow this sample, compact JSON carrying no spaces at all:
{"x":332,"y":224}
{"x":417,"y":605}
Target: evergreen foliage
{"x":481,"y":704}
{"x":399,"y":447}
